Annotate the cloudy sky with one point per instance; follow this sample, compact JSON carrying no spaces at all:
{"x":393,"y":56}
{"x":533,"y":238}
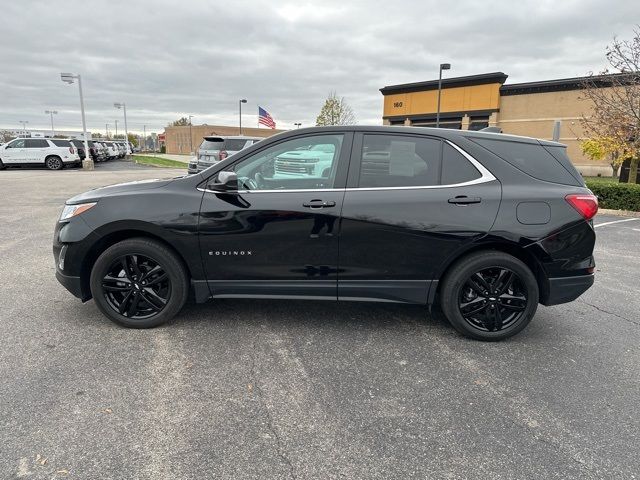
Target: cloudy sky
{"x":166,"y":59}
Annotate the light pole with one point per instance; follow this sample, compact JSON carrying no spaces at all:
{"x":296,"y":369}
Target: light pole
{"x":69,"y":78}
{"x":106,"y":130}
{"x":144,"y":137}
{"x":24,"y":127}
{"x":190,"y":136}
{"x":121,"y":105}
{"x":297,"y":125}
{"x":116,"y":134}
{"x":52,"y":113}
{"x":443,"y":66}
{"x":240,"y":102}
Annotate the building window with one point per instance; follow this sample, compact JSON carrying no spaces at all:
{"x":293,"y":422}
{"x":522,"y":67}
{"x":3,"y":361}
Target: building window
{"x":451,"y":122}
{"x":478,"y":123}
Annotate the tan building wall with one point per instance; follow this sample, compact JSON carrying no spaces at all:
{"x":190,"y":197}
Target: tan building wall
{"x":457,"y":99}
{"x":535,"y":114}
{"x":184,"y":139}
{"x":529,"y":109}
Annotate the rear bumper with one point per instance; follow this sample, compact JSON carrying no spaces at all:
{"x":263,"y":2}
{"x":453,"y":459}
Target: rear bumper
{"x":566,"y":289}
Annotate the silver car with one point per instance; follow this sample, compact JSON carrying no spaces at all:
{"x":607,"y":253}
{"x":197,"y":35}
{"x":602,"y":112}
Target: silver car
{"x":214,"y":149}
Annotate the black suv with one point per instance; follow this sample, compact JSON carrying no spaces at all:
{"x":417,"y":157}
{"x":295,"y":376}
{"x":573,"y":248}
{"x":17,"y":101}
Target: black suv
{"x":486,"y":225}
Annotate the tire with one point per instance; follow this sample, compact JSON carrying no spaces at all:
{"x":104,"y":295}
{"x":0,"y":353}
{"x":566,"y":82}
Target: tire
{"x":1,"y":165}
{"x":124,"y":297}
{"x":480,"y":302}
{"x":53,"y":162}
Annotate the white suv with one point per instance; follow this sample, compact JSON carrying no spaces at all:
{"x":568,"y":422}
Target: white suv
{"x":52,"y":153}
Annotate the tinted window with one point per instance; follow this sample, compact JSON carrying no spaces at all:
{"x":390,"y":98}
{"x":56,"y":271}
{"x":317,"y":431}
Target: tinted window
{"x":232,"y":144}
{"x":531,"y":158}
{"x":456,"y":168}
{"x":301,"y":163}
{"x":61,"y":143}
{"x":37,"y":143}
{"x":399,"y":161}
{"x":211,"y":144}
{"x":19,"y":143}
{"x":560,"y":154}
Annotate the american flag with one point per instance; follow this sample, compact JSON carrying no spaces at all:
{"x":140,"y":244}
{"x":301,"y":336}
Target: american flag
{"x":265,"y":119}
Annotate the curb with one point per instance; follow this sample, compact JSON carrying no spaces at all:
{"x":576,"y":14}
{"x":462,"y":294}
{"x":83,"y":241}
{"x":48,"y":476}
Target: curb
{"x":620,"y":213}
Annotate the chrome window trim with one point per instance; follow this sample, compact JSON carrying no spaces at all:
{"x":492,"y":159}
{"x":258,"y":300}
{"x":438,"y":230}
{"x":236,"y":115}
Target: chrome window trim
{"x":485,"y":176}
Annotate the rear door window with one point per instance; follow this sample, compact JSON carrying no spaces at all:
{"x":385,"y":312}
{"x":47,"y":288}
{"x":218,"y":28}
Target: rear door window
{"x":399,"y":161}
{"x":36,"y":143}
{"x":531,"y":158}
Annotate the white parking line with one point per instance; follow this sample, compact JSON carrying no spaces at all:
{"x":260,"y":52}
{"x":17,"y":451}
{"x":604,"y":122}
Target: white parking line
{"x":616,"y":221}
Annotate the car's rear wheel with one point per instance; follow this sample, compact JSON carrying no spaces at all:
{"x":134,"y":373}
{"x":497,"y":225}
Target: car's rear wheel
{"x":489,"y":295}
{"x":1,"y":165}
{"x":53,"y":162}
{"x":139,"y":283}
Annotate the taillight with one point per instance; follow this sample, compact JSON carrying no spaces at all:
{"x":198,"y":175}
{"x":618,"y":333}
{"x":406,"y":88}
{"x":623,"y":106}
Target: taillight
{"x":223,"y":154}
{"x":585,"y":204}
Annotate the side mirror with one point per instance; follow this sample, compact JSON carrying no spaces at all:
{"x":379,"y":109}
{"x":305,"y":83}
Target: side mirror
{"x":225,"y":182}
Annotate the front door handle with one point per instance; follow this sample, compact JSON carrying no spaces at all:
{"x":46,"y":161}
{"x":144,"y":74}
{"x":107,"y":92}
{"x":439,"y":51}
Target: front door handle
{"x":464,"y":200}
{"x":319,"y":204}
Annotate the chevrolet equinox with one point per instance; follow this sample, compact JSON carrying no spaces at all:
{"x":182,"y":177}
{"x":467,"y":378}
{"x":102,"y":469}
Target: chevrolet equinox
{"x":485,"y":225}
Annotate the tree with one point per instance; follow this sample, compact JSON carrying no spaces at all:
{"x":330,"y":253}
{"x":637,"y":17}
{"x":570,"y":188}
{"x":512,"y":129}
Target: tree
{"x":599,"y":148}
{"x":335,"y":111}
{"x":615,"y":96}
{"x":6,"y":136}
{"x":181,"y":122}
{"x":133,"y":139}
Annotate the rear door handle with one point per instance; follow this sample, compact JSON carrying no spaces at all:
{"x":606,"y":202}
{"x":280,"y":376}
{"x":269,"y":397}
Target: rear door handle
{"x":319,"y":204}
{"x":464,"y":200}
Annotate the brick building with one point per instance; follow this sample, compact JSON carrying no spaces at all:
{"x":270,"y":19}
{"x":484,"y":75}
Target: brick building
{"x":185,"y":139}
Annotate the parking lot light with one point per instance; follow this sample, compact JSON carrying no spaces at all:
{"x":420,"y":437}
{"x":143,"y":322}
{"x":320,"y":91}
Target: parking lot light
{"x":240,"y":102}
{"x":443,"y":66}
{"x":123,"y":106}
{"x":52,"y":113}
{"x":87,"y":163}
{"x":297,"y":125}
{"x":24,"y":127}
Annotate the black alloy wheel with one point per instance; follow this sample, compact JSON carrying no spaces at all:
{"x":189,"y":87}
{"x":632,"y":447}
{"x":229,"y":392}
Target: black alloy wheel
{"x":139,"y":283}
{"x":489,"y":295}
{"x":492,"y":299}
{"x":136,"y":286}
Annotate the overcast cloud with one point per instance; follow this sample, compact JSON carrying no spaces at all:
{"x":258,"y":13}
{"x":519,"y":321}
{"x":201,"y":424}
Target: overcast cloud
{"x":166,"y":59}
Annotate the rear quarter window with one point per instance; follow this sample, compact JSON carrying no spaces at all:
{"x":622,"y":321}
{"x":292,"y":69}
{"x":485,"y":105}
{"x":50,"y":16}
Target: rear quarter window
{"x":531,"y":158}
{"x":61,"y":143}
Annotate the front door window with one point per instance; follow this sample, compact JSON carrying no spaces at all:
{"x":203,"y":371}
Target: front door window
{"x":307,"y":163}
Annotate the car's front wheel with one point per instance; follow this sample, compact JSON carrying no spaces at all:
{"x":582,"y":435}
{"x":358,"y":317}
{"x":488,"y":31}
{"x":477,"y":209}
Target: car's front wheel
{"x":489,"y":295}
{"x":53,"y":163}
{"x":139,"y":283}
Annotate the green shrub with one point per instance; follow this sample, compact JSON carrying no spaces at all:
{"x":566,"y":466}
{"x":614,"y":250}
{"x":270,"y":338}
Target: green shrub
{"x":617,"y":196}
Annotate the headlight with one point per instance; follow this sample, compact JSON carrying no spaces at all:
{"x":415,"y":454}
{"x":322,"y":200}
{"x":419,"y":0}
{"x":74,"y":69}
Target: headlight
{"x":73,"y":210}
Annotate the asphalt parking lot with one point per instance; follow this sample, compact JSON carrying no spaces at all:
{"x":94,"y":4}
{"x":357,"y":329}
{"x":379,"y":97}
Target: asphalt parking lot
{"x":275,"y":389}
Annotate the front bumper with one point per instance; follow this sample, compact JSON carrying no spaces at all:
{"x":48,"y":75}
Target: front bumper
{"x":73,"y":284}
{"x":566,"y":289}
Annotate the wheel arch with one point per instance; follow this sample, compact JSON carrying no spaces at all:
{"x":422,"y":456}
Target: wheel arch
{"x":510,"y":248}
{"x":111,"y":238}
